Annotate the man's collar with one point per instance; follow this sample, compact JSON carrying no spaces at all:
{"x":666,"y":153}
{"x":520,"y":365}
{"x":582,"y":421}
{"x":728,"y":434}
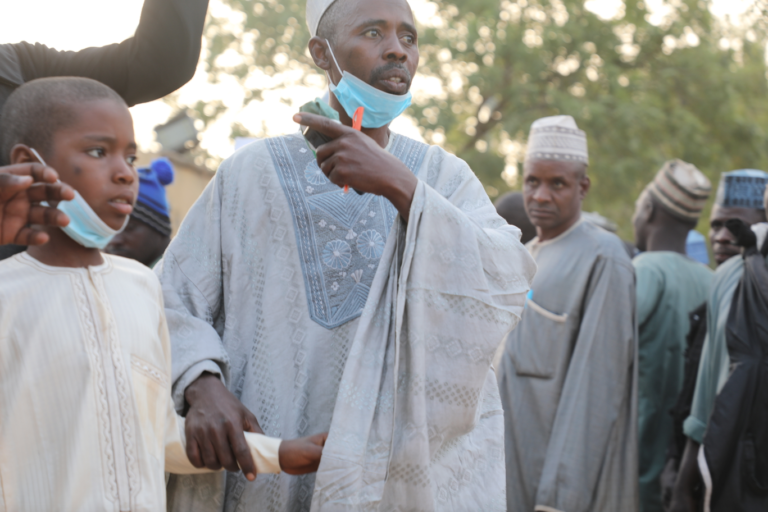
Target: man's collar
{"x":534,"y":246}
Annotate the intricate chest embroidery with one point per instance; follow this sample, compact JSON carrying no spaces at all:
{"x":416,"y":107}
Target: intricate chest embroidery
{"x":340,"y":236}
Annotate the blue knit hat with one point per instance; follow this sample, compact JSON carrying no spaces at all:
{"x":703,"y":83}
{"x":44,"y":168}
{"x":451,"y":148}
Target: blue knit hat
{"x":742,"y":189}
{"x":152,"y":206}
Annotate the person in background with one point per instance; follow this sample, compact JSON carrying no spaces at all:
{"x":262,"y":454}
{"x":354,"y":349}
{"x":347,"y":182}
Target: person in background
{"x":733,"y":459}
{"x":749,"y":211}
{"x":568,"y":374}
{"x":669,"y":286}
{"x":739,"y":196}
{"x":85,"y":357}
{"x":160,"y":57}
{"x":511,"y":208}
{"x":148,"y":232}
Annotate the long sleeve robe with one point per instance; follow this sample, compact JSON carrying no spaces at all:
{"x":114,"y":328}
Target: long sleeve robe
{"x":324,"y":311}
{"x":669,"y":287}
{"x":715,"y":363}
{"x":568,"y":380}
{"x":86,"y":418}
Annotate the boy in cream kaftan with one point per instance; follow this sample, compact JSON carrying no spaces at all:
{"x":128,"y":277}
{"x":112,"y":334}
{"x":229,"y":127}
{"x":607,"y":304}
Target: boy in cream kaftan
{"x":324,"y":310}
{"x":85,"y":408}
{"x":86,"y":417}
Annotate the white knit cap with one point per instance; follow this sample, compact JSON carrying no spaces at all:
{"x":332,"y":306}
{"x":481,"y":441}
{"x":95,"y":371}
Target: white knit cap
{"x":315,"y":11}
{"x":557,"y":138}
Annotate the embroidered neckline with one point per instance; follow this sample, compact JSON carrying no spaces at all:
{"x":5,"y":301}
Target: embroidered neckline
{"x":25,"y":257}
{"x":340,"y":237}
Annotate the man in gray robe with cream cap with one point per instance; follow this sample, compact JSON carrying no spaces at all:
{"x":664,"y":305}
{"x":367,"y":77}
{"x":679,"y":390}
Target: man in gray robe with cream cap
{"x":361,"y":290}
{"x":568,"y":374}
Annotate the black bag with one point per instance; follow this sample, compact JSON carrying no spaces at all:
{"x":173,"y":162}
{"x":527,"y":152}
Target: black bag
{"x":736,"y":442}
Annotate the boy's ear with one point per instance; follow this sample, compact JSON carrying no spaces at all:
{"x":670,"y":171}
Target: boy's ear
{"x":21,"y":154}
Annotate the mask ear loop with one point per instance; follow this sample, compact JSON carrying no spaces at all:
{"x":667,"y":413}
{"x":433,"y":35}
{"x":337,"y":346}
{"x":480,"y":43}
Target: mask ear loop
{"x":37,"y":155}
{"x":334,"y":61}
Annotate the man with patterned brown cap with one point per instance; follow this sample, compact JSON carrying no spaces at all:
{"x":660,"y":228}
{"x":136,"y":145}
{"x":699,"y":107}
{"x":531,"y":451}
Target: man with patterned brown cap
{"x":567,"y":377}
{"x":669,"y":286}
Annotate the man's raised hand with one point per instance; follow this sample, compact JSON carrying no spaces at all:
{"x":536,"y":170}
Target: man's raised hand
{"x":215,"y":426}
{"x":355,"y":159}
{"x":22,"y":187}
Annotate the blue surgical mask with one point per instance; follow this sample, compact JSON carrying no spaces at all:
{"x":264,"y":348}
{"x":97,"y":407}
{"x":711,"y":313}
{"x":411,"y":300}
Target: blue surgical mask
{"x":381,"y":108}
{"x":85,"y":226}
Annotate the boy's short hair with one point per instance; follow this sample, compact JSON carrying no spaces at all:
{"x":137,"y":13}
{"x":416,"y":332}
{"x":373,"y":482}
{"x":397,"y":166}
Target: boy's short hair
{"x":37,"y":110}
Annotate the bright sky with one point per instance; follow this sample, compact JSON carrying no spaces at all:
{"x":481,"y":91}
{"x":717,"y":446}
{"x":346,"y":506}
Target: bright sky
{"x":77,"y":24}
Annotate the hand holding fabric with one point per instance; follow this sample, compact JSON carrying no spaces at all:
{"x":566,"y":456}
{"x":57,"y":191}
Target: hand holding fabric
{"x":22,"y":187}
{"x":355,"y":159}
{"x":215,"y":426}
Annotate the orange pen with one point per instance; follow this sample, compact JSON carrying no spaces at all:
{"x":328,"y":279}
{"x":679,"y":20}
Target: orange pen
{"x":357,"y":124}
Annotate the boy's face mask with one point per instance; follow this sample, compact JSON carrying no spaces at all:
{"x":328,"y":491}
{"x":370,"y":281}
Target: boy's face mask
{"x":85,"y":226}
{"x":381,"y":108}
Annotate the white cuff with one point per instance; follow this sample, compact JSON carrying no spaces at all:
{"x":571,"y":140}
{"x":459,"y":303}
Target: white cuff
{"x":544,"y":508}
{"x":265,"y":452}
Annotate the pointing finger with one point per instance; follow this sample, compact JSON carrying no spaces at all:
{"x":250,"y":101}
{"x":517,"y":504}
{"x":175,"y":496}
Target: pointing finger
{"x":47,"y":216}
{"x":10,"y":185}
{"x":322,"y":124}
{"x":50,"y":192}
{"x":30,"y":236}
{"x":39,"y":172}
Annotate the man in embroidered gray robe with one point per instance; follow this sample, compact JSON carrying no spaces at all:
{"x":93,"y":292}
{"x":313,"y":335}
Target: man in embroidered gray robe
{"x":568,"y":375}
{"x":324,"y":310}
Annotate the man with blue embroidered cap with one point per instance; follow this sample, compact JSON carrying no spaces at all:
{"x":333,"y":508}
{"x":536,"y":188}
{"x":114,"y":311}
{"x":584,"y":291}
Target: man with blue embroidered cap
{"x":148,"y":233}
{"x":741,"y":203}
{"x":740,"y":196}
{"x":568,"y":375}
{"x":297,"y":306}
{"x":669,"y":286}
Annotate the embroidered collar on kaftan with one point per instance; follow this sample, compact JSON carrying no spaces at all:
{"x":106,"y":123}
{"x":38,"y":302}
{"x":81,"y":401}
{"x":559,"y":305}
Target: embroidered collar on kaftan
{"x":340,"y":236}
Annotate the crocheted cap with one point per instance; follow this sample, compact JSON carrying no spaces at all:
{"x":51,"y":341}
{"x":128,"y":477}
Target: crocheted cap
{"x":681,"y":188}
{"x":557,"y":138}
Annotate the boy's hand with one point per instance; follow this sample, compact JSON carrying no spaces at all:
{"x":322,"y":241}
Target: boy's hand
{"x":214,"y":427}
{"x":21,"y":187}
{"x":300,"y":456}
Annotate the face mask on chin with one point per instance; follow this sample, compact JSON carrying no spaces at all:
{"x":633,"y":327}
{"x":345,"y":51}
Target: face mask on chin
{"x":381,"y":108}
{"x":85,"y":226}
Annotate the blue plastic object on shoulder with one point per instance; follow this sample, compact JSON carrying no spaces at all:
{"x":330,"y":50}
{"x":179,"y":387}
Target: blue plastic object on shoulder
{"x":696,"y":247}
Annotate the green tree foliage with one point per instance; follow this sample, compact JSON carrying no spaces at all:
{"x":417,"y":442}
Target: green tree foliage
{"x":645,"y":86}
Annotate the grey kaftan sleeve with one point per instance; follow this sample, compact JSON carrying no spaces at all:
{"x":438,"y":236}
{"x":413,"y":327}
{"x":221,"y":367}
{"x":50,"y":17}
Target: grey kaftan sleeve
{"x":418,"y":422}
{"x":601,"y":386}
{"x":191,"y":276}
